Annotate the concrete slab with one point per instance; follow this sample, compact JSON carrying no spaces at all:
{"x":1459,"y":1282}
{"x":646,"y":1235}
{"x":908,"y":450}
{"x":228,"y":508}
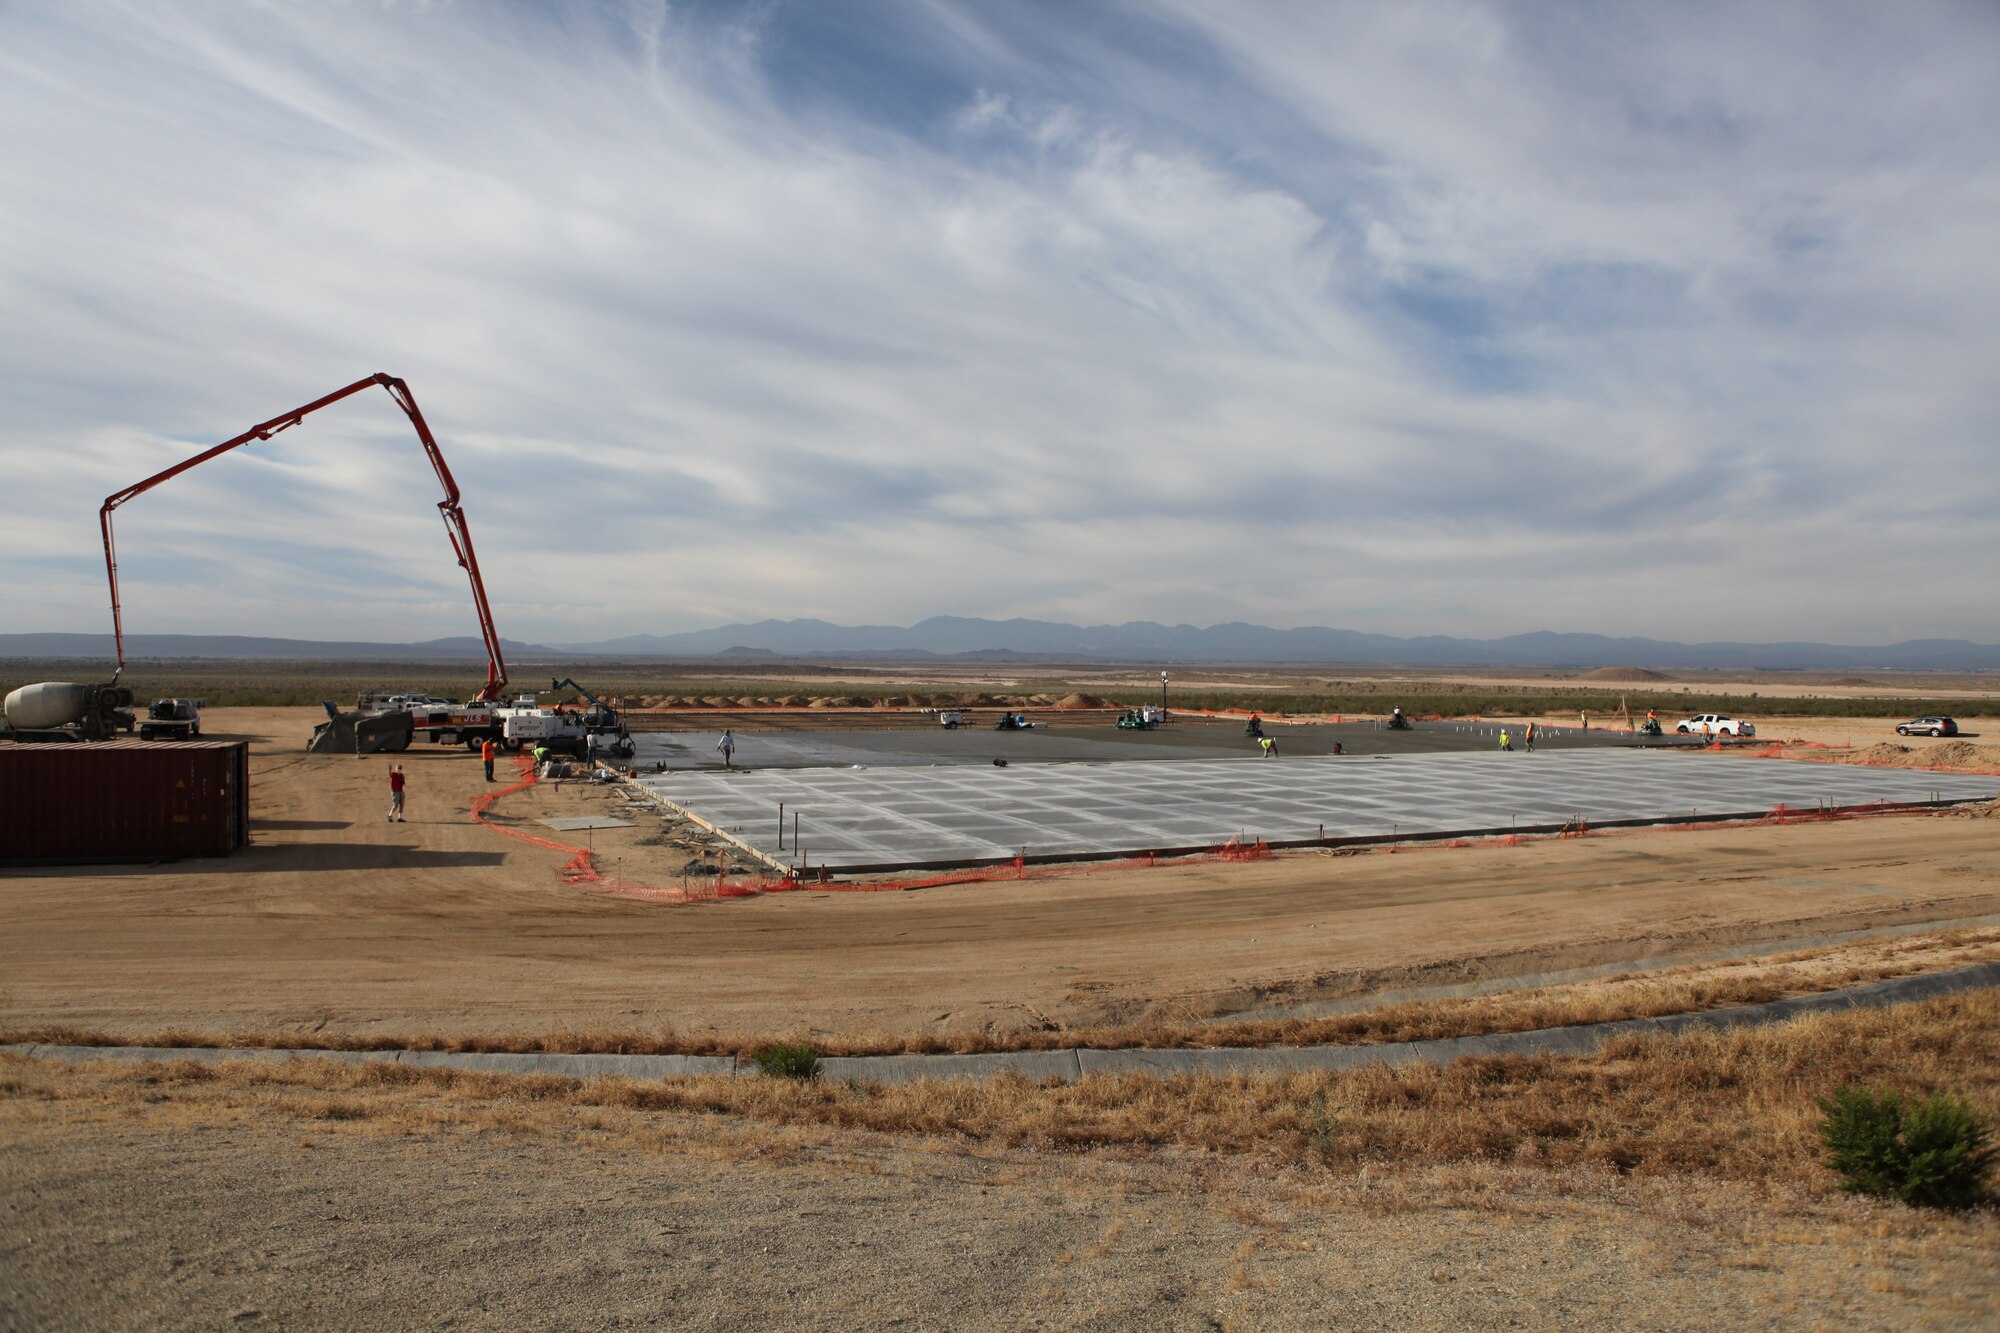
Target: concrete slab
{"x":1036,"y":1065}
{"x":1190,"y":738}
{"x":881,"y":819}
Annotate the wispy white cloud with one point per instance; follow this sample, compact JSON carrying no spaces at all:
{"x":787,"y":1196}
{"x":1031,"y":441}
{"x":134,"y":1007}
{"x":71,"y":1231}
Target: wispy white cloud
{"x":1449,"y":317}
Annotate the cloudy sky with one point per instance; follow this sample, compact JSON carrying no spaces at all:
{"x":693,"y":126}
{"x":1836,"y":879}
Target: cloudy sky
{"x":1406,"y":317}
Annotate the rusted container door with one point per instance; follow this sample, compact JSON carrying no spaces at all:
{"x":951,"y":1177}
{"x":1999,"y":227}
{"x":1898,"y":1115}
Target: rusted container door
{"x":123,"y":801}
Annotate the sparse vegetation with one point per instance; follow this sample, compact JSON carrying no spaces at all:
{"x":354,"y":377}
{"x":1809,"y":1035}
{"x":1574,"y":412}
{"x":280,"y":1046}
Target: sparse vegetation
{"x":1932,"y":1153}
{"x":1687,"y":989}
{"x":1322,"y":1129}
{"x":1739,"y":1104}
{"x":788,"y":1060}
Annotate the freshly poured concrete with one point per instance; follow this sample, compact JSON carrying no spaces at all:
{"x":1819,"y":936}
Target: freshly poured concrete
{"x":1187,"y":738}
{"x":884,"y":818}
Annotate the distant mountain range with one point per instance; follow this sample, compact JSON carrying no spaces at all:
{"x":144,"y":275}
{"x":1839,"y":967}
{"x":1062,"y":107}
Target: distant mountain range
{"x":1148,"y":641}
{"x":243,"y":648}
{"x":1032,"y":640}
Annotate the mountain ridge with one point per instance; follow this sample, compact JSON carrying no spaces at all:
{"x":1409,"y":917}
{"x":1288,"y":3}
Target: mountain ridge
{"x":1025,"y":640}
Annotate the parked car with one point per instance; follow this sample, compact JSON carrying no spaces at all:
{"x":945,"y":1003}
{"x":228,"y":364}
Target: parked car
{"x":1714,"y":724}
{"x":1927,"y":726}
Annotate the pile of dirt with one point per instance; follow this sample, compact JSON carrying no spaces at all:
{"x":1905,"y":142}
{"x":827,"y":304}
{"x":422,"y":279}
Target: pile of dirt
{"x":1963,"y":754}
{"x":1082,"y":701}
{"x":1623,"y":673}
{"x":1951,"y":754}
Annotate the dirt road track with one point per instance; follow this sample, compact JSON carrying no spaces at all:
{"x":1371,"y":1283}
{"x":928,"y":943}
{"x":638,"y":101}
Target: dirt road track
{"x":339,"y":921}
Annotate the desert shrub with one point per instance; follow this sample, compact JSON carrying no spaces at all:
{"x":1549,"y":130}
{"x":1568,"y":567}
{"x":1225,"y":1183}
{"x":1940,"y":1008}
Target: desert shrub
{"x":1932,"y":1153}
{"x":1322,"y":1128}
{"x":782,"y":1061}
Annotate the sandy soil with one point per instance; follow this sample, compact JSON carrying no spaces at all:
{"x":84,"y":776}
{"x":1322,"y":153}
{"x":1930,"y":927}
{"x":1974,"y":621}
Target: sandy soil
{"x":337,"y":921}
{"x":163,"y":1214}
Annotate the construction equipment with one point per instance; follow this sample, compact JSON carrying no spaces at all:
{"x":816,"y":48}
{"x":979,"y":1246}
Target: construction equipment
{"x":557,"y":730}
{"x":444,"y":722}
{"x":173,"y":720}
{"x":63,"y":710}
{"x":361,"y":733}
{"x":604,"y":730}
{"x":448,"y":508}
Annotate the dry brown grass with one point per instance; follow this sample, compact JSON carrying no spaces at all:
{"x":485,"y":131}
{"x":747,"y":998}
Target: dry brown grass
{"x":1736,"y":1105}
{"x":1692,"y":988}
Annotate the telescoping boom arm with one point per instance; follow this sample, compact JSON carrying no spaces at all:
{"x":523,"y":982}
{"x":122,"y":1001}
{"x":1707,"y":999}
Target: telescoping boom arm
{"x":570,"y":683}
{"x":454,"y":516}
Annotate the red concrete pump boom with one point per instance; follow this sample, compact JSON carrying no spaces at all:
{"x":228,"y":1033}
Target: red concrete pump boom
{"x":454,"y":517}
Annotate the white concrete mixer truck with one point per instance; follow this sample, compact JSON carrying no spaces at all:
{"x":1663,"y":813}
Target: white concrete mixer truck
{"x":63,"y":710}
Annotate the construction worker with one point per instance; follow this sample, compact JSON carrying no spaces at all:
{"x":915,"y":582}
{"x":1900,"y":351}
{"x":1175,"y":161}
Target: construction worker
{"x":486,"y":750}
{"x":1269,"y":746}
{"x":727,"y":745}
{"x":541,"y":755}
{"x":1528,"y":735}
{"x":396,"y":794}
{"x":1506,"y":741}
{"x":1583,"y":715}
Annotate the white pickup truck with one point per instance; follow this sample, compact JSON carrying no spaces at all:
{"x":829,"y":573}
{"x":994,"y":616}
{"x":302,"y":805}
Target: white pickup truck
{"x":1714,"y":724}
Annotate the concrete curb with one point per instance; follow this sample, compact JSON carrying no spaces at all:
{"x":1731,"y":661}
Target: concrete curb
{"x":1072,"y":1064}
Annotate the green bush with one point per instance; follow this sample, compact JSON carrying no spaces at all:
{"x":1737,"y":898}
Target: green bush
{"x":1933,"y":1153}
{"x":782,"y":1061}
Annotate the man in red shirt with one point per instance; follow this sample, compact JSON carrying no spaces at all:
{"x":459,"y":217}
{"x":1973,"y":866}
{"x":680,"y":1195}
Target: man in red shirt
{"x":396,"y":794}
{"x":486,"y":753}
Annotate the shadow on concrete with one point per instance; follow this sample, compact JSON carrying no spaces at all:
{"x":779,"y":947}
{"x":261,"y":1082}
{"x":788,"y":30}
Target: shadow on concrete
{"x":305,"y":857}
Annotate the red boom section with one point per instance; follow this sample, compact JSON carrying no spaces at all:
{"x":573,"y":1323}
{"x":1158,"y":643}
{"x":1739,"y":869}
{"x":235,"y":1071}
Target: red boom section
{"x":454,"y":516}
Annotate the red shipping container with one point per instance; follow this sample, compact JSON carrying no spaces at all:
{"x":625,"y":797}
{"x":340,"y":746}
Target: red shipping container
{"x":123,"y":800}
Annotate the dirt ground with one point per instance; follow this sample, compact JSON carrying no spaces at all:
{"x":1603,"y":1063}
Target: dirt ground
{"x":168,"y":1219}
{"x":337,"y":921}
